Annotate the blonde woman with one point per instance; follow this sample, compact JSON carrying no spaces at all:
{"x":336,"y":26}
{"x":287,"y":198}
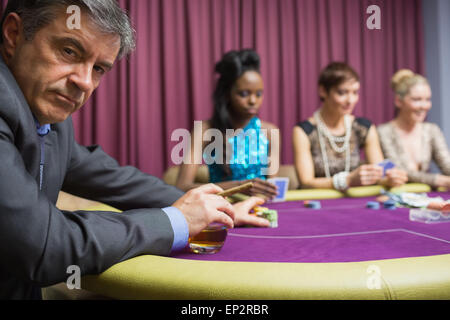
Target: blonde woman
{"x":409,"y":141}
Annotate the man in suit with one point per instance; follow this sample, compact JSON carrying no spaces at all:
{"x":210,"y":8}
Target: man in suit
{"x":48,"y":70}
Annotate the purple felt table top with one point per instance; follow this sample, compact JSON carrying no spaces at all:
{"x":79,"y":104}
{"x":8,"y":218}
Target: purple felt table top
{"x":344,"y":230}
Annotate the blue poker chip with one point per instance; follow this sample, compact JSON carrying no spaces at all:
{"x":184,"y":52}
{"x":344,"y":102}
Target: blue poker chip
{"x":373,"y":205}
{"x":389,"y":204}
{"x":314,"y":205}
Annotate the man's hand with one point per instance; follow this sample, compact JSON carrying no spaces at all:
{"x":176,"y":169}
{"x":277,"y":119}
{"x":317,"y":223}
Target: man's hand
{"x":201,"y":207}
{"x":242,"y":217}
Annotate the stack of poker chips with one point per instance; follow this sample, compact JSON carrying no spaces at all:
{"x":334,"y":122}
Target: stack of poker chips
{"x":390,"y":205}
{"x":266,"y":213}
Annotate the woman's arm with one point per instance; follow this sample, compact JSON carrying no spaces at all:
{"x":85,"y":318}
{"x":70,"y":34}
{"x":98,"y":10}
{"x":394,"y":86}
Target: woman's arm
{"x":394,"y":177}
{"x":304,"y":164}
{"x":441,"y":157}
{"x":440,"y":152}
{"x":372,"y":147}
{"x":188,"y":170}
{"x":274,"y":138}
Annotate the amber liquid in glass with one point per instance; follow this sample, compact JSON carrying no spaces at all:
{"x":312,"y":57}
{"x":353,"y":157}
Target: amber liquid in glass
{"x":208,"y":241}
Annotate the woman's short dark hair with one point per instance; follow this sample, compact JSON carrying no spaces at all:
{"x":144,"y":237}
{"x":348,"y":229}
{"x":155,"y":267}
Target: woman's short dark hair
{"x":230,"y":68}
{"x":335,"y":74}
{"x":106,"y":14}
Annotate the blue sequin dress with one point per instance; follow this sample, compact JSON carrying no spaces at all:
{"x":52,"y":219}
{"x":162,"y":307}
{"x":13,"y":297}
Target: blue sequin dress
{"x":249,"y":155}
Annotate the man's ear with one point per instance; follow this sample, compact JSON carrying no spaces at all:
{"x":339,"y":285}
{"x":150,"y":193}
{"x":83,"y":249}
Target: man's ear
{"x":12,"y":33}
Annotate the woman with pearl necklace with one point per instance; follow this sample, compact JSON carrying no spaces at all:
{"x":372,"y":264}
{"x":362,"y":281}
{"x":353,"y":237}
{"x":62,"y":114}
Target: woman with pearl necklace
{"x":327,"y":146}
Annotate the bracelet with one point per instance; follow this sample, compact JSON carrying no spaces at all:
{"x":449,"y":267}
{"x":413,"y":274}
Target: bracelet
{"x":340,"y":181}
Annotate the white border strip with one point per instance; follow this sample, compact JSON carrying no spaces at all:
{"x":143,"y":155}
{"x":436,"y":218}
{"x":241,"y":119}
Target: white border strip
{"x":425,"y":235}
{"x":337,"y":235}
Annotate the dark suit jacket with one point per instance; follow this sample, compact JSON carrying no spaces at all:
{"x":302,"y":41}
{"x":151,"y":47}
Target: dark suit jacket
{"x":38,"y":242}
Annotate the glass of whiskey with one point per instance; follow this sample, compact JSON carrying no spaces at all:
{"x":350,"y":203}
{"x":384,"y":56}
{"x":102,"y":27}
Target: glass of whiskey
{"x":210,"y":240}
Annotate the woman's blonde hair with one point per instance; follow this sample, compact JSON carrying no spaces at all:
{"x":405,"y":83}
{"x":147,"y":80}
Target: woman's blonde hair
{"x":403,"y":80}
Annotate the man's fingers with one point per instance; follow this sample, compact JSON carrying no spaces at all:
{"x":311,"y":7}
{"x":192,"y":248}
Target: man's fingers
{"x":252,"y":202}
{"x":242,"y":213}
{"x":221,"y":205}
{"x":224,"y":219}
{"x":209,"y":188}
{"x":254,"y":221}
{"x":227,"y":209}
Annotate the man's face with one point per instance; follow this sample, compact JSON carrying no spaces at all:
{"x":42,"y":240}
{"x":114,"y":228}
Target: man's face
{"x":60,"y":68}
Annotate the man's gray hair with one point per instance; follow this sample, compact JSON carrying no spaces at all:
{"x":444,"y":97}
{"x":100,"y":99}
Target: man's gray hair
{"x":106,"y":14}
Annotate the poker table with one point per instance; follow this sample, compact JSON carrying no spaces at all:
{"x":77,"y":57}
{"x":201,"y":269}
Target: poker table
{"x":341,"y":251}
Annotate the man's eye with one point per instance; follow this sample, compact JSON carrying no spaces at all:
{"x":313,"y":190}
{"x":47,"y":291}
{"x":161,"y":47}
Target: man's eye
{"x":70,"y":52}
{"x":100,"y":70}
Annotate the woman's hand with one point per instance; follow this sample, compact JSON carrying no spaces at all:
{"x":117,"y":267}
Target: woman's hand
{"x":262,"y":188}
{"x":365,"y":175}
{"x":443,"y":181}
{"x":396,"y":177}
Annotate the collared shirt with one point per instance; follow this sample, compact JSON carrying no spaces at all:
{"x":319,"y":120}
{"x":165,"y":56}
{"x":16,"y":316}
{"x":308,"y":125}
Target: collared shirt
{"x":179,"y":226}
{"x":42,"y":130}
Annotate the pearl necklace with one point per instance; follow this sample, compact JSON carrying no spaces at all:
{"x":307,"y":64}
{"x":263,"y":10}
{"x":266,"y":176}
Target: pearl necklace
{"x":324,"y":132}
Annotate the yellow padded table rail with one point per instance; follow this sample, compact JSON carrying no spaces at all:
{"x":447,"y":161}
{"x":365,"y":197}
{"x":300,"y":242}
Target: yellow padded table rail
{"x":154,"y":277}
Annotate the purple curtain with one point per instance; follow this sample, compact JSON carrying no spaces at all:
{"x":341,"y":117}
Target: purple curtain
{"x":168,"y":82}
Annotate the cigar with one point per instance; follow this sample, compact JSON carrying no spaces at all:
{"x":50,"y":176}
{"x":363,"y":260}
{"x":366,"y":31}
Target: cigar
{"x":237,"y":189}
